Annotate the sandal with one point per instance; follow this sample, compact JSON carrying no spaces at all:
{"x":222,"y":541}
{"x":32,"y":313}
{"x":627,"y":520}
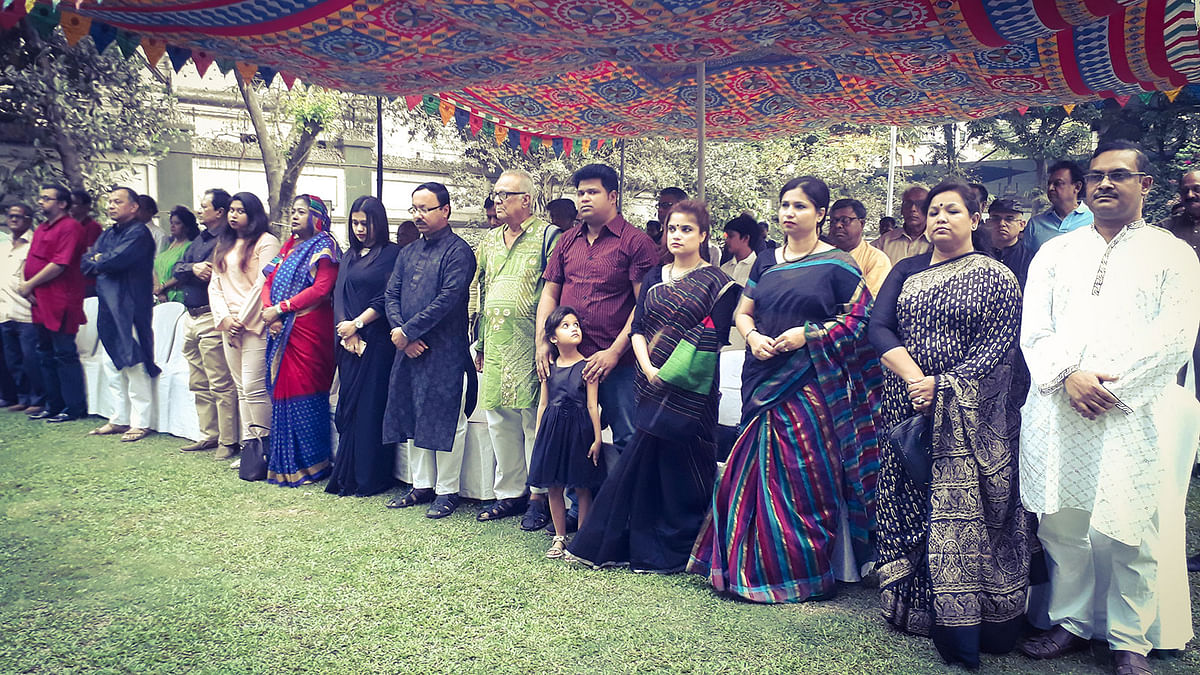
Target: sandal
{"x":503,"y":508}
{"x":1052,"y":644}
{"x":557,"y":548}
{"x":1130,"y":663}
{"x":411,"y":498}
{"x":109,"y":429}
{"x":134,"y":435}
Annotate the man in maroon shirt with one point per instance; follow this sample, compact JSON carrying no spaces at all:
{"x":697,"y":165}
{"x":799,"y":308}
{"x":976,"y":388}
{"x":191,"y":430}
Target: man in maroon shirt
{"x":81,"y":211}
{"x":597,"y":268}
{"x":55,"y":282}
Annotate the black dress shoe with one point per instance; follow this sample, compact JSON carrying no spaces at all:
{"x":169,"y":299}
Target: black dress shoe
{"x":60,"y":417}
{"x":1193,"y":563}
{"x":41,"y":415}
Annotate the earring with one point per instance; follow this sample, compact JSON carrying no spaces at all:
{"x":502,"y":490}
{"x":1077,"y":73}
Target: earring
{"x":974,"y":227}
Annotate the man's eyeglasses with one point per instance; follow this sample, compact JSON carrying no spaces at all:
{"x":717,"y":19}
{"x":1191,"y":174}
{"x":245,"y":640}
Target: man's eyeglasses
{"x":1115,"y":177}
{"x":844,"y":220}
{"x":501,"y":195}
{"x":421,"y":210}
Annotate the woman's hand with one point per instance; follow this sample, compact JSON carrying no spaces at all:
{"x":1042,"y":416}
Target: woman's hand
{"x":594,"y":452}
{"x":921,"y":392}
{"x":761,"y":346}
{"x":415,"y":349}
{"x":651,"y":374}
{"x":791,"y":340}
{"x":226,"y":324}
{"x":271,"y":314}
{"x":346,"y":329}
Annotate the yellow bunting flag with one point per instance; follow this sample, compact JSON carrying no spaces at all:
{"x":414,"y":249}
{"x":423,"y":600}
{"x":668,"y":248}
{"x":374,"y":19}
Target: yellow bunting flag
{"x":1070,"y":107}
{"x":1173,"y":94}
{"x":29,"y":5}
{"x":501,"y":134}
{"x":75,"y":26}
{"x":246,"y":70}
{"x":446,"y":110}
{"x":154,"y":49}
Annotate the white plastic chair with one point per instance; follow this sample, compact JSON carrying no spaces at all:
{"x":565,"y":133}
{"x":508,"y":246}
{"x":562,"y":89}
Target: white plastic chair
{"x":175,"y":407}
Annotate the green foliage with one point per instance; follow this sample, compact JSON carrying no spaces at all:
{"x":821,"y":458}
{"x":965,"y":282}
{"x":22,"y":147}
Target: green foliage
{"x":84,"y":115}
{"x":314,"y":105}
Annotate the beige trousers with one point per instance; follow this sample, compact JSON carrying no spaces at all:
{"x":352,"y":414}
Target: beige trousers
{"x":210,"y":381}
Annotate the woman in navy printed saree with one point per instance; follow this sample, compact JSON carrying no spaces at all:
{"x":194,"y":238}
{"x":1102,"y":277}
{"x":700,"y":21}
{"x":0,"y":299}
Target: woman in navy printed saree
{"x":300,"y":359}
{"x":798,"y":492}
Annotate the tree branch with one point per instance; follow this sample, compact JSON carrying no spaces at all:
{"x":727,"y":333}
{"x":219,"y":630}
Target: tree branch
{"x":272,"y":161}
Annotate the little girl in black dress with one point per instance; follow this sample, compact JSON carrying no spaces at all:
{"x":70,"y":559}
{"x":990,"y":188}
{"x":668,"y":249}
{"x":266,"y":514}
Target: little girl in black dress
{"x":566,"y":452}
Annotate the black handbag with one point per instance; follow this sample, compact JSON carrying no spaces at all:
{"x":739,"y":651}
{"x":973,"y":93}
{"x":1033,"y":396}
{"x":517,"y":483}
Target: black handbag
{"x":255,"y":455}
{"x":911,"y":442}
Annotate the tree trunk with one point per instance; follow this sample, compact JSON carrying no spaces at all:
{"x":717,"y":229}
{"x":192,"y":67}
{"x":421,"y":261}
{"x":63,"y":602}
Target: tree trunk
{"x":301,"y":144}
{"x":949,"y":133}
{"x":273,"y":162}
{"x":68,"y":153}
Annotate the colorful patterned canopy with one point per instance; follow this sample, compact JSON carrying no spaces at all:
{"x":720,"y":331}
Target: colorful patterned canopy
{"x":613,"y":68}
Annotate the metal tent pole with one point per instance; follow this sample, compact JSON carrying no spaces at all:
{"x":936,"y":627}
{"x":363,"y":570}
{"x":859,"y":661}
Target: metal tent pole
{"x":701,"y":87}
{"x":621,"y":185}
{"x":379,"y":148}
{"x":891,"y":189}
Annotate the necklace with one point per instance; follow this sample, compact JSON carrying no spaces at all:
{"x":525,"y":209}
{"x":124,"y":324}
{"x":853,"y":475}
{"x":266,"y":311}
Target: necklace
{"x":789,"y":243}
{"x":671,"y":271}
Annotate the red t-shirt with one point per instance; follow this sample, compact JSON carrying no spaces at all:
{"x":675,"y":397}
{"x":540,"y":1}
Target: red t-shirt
{"x":58,"y":304}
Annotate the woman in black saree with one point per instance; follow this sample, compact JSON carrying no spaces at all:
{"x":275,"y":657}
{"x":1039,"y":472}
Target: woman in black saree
{"x":363,"y":465}
{"x":954,"y":541}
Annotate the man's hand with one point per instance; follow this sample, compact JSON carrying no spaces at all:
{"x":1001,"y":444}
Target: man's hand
{"x":1088,"y":396}
{"x":225,"y":325}
{"x":398,"y":338}
{"x":600,"y":365}
{"x":25,"y":289}
{"x":202,"y":270}
{"x":415,"y":349}
{"x":479,"y":362}
{"x":543,"y":360}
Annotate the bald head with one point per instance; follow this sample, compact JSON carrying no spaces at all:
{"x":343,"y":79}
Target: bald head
{"x":911,"y":203}
{"x":1189,"y":193}
{"x":514,"y":197}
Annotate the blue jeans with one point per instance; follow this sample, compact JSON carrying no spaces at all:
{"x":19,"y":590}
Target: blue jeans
{"x":62,"y":374}
{"x":21,"y":358}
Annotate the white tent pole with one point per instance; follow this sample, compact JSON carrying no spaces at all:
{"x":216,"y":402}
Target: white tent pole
{"x":891,"y":173}
{"x":701,"y":88}
{"x":621,"y":183}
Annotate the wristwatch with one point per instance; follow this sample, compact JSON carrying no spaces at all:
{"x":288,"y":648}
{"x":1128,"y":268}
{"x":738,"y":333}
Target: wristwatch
{"x":358,"y":324}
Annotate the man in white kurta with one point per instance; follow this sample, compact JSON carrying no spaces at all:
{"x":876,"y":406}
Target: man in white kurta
{"x":1110,"y":314}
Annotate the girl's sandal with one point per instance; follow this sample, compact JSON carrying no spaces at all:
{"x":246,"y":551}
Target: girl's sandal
{"x":556,"y":549}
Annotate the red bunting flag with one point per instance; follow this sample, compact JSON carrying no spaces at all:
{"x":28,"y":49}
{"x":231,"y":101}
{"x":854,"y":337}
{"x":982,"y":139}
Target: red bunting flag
{"x":475,"y":123}
{"x":525,"y":140}
{"x":202,"y":60}
{"x":288,"y":80}
{"x":1022,"y":109}
{"x":1122,"y":100}
{"x":413,"y":101}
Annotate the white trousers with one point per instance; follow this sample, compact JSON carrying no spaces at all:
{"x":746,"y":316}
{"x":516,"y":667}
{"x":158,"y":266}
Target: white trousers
{"x":247,"y":361}
{"x":512,"y":432}
{"x":131,"y":391}
{"x":1099,"y":587}
{"x":440,"y":469}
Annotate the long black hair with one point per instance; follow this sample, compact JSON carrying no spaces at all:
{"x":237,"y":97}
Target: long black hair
{"x":556,"y":317}
{"x":815,"y":189}
{"x":377,"y":224}
{"x":259,"y":224}
{"x":188,"y":219}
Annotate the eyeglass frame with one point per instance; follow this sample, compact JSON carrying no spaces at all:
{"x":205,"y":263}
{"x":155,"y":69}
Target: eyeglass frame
{"x":1116,"y":176}
{"x":415,"y":210}
{"x":501,"y":195}
{"x":845,"y":220}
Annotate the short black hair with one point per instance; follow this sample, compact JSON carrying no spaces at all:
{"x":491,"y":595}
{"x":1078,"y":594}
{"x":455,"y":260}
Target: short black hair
{"x":982,"y":191}
{"x":562,"y":205}
{"x":146,"y":203}
{"x":747,"y":227}
{"x":860,"y":211}
{"x":675,"y":192}
{"x":24,"y":207}
{"x":556,"y":317}
{"x":61,"y":193}
{"x":129,"y":192}
{"x":1142,"y":162}
{"x":190,"y":229}
{"x":608,"y":177}
{"x":489,"y":203}
{"x":1072,"y":167}
{"x":81,"y":198}
{"x":219,"y":198}
{"x":891,"y":222}
{"x":438,"y":190}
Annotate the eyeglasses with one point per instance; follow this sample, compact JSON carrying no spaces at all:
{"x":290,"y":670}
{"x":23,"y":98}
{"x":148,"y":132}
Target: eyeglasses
{"x":1115,"y":177}
{"x":844,"y":220}
{"x":421,"y":210}
{"x":501,"y":195}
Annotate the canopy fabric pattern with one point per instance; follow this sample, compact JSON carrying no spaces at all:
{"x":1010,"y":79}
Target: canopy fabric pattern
{"x":616,"y":68}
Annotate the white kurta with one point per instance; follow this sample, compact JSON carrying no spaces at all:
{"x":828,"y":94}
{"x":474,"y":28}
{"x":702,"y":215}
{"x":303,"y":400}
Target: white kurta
{"x":1129,"y":308}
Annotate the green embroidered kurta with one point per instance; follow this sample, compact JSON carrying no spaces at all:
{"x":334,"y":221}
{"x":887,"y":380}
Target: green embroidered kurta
{"x":510,"y":283}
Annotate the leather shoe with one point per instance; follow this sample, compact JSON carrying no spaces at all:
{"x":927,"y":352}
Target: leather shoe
{"x":443,"y":506}
{"x":1193,"y":563}
{"x":41,"y":415}
{"x":536,"y":515}
{"x":198,"y":446}
{"x":18,"y":407}
{"x":227,"y":452}
{"x":1130,"y":663}
{"x":60,"y":417}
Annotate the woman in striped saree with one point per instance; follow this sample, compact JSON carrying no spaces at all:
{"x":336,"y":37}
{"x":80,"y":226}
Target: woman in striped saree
{"x":300,"y":359}
{"x":797,"y":500}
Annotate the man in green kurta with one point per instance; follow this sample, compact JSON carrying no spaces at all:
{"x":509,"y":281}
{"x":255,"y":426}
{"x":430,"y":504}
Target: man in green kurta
{"x":512,"y":259}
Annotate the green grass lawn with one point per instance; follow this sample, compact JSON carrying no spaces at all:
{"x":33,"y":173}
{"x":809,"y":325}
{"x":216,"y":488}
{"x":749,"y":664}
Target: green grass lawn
{"x":118,"y":557}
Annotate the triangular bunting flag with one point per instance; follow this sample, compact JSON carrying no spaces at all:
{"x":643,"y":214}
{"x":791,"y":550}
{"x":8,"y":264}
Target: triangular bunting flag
{"x":501,"y":134}
{"x":103,"y":35}
{"x":1122,"y":100}
{"x":446,"y":111}
{"x":246,"y":70}
{"x":524,"y":140}
{"x":43,"y":18}
{"x":128,"y":43}
{"x":568,"y":146}
{"x":461,"y":118}
{"x":1070,"y":108}
{"x":154,"y":49}
{"x":1146,"y":97}
{"x":11,"y":16}
{"x":585,"y":145}
{"x":288,"y":80}
{"x":412,"y":101}
{"x":74,"y":27}
{"x":179,"y":56}
{"x":557,"y":146}
{"x":225,"y":66}
{"x":29,"y":5}
{"x":1173,"y":94}
{"x":267,"y":75}
{"x":487,"y":129}
{"x":514,"y":139}
{"x":475,"y":124}
{"x":535,"y":143}
{"x":430,"y":105}
{"x":202,"y":60}
{"x":1022,"y":109}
